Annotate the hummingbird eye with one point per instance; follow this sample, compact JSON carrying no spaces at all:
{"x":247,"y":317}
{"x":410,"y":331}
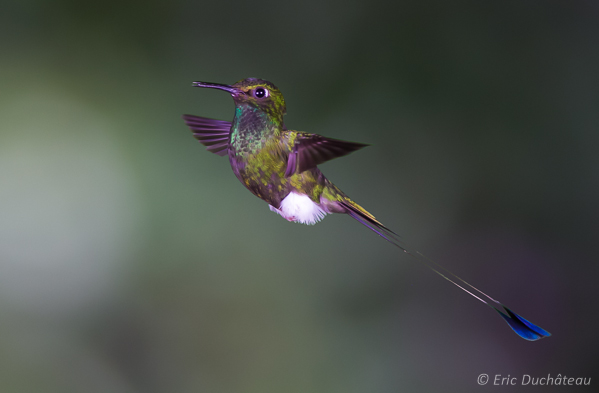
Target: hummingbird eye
{"x":261,"y":92}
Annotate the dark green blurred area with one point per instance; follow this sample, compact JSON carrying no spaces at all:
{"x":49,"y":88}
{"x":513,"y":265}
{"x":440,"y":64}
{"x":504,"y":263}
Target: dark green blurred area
{"x":131,"y":260}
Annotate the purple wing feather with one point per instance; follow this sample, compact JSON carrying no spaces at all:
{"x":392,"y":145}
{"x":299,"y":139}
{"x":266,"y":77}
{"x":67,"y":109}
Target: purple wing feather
{"x":210,"y":132}
{"x":291,"y":165}
{"x":311,"y":150}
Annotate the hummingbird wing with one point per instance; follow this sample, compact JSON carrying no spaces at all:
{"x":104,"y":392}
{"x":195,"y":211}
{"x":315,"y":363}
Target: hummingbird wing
{"x":210,"y":132}
{"x":310,"y":150}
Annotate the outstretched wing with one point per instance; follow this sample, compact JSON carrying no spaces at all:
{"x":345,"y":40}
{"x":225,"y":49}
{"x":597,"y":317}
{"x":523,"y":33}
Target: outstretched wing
{"x":310,"y":150}
{"x":210,"y":132}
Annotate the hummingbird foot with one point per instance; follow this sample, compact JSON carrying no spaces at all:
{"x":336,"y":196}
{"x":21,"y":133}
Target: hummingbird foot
{"x":299,"y":208}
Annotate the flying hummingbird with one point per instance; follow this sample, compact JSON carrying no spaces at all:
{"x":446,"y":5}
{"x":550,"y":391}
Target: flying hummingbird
{"x":280,"y":166}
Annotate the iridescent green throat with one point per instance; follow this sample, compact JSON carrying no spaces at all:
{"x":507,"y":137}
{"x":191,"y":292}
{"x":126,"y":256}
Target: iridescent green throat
{"x":252,"y":128}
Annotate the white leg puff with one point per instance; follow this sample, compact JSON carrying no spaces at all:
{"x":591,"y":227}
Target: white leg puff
{"x":300,"y":208}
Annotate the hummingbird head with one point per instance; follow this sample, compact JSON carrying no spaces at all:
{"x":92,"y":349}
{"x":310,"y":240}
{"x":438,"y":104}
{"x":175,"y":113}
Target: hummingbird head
{"x":256,"y":93}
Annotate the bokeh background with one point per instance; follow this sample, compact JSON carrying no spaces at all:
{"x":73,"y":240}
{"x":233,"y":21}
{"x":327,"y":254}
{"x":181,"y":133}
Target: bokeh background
{"x":132,"y":260}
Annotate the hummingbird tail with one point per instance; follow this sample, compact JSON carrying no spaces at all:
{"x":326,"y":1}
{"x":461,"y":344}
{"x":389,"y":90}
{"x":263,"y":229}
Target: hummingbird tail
{"x":521,"y":326}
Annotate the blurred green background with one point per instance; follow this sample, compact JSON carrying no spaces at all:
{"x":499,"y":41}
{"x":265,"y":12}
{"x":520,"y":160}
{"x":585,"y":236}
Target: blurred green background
{"x":132,"y":260}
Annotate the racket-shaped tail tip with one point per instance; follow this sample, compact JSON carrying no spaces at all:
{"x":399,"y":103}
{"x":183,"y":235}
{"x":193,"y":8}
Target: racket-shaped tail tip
{"x":522,"y":327}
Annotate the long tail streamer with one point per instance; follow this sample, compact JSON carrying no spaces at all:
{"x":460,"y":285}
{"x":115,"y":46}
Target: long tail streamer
{"x":524,"y":328}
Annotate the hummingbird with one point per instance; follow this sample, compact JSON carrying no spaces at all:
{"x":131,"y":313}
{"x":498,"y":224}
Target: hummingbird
{"x":280,"y":166}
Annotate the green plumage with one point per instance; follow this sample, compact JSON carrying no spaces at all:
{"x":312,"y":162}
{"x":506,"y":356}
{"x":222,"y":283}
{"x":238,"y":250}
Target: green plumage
{"x":279,"y":166}
{"x":272,"y":161}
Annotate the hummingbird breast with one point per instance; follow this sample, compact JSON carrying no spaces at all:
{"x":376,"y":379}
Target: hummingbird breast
{"x":263,"y":173}
{"x":258,"y":152}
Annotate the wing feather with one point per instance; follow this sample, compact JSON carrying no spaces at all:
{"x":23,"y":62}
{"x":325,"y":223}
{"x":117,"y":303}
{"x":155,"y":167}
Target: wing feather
{"x":212,"y":133}
{"x":311,"y":150}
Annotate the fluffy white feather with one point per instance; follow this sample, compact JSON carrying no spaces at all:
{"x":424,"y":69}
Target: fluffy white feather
{"x":300,"y":208}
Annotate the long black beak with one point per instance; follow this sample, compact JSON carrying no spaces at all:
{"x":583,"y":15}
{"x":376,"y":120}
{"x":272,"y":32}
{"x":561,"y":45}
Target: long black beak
{"x":219,"y":86}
